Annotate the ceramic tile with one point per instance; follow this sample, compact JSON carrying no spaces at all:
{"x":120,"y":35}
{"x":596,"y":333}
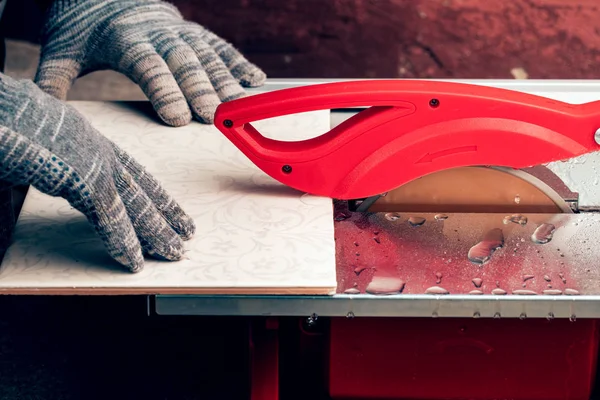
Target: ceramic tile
{"x":254,"y":234}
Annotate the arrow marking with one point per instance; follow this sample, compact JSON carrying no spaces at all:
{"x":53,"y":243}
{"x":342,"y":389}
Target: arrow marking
{"x":429,"y":157}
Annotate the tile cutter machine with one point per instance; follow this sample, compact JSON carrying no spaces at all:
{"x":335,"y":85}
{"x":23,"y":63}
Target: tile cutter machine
{"x":457,"y":207}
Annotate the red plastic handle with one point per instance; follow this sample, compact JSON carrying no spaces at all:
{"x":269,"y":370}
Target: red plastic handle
{"x":412,"y":128}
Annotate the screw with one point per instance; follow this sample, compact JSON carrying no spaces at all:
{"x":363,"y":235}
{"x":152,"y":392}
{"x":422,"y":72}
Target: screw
{"x":434,"y":103}
{"x":597,"y":136}
{"x":312,"y":320}
{"x":228,"y":123}
{"x":286,"y":169}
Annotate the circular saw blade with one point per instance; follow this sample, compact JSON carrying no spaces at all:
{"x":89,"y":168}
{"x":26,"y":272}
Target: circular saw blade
{"x":474,"y":190}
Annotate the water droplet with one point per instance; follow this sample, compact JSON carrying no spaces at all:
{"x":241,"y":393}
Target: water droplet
{"x":438,"y":276}
{"x":527,"y":277}
{"x":564,"y":280}
{"x":477,"y":282}
{"x":356,"y":244}
{"x":377,"y":240}
{"x":392,"y":216}
{"x":350,"y":314}
{"x":561,"y":275}
{"x":483,"y":251}
{"x":543,"y":234}
{"x":550,"y":316}
{"x":547,"y":278}
{"x":376,"y":233}
{"x":342,"y":215}
{"x":497,"y":315}
{"x":476,"y":291}
{"x":571,"y":292}
{"x":434,"y":314}
{"x":573,"y":318}
{"x":524,"y":292}
{"x":498,"y":291}
{"x":552,"y":292}
{"x":357,"y":254}
{"x":517,"y":199}
{"x":358,"y":270}
{"x":441,"y":217}
{"x":515,"y":219}
{"x":476,"y":314}
{"x":416,"y":221}
{"x":436,"y":290}
{"x":522,"y":316}
{"x":385,"y":285}
{"x":352,"y":291}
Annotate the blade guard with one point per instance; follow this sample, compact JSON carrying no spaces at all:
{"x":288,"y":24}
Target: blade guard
{"x":412,"y":128}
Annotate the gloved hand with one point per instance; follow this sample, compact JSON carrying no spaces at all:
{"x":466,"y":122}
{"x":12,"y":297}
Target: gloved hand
{"x":182,"y":68}
{"x":47,"y":144}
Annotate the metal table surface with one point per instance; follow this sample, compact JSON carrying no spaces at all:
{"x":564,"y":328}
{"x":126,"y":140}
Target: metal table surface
{"x":435,"y":255}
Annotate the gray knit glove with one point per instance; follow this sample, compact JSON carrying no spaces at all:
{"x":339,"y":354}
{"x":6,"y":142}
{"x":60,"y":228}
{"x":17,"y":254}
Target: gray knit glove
{"x":182,"y":68}
{"x":47,"y":144}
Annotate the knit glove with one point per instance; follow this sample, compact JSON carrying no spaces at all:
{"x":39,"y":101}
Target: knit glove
{"x":182,"y":68}
{"x":47,"y":144}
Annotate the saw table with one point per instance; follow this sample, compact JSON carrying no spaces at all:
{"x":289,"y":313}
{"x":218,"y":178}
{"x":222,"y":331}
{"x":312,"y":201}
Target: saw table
{"x":490,"y":270}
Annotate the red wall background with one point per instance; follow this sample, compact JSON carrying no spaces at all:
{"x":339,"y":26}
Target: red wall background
{"x":398,"y":38}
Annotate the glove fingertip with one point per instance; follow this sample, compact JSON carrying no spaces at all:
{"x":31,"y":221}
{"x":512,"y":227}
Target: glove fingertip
{"x":56,"y":76}
{"x":185,"y":227}
{"x":206,"y":115}
{"x":253,"y":78}
{"x":132,"y":261}
{"x":168,"y":253}
{"x":175,"y":116}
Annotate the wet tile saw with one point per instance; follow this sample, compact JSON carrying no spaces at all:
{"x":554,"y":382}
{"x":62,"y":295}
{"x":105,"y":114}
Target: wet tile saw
{"x":451,"y":200}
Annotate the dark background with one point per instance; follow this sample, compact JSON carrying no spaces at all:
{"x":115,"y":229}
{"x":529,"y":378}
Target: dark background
{"x":393,"y":38}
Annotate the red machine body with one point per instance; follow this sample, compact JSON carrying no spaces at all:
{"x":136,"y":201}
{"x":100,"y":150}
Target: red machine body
{"x":478,"y":359}
{"x":412,"y":128}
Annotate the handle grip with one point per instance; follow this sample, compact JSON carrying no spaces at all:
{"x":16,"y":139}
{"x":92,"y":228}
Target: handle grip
{"x":412,"y":128}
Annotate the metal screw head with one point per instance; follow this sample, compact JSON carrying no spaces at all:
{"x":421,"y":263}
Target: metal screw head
{"x":597,"y":136}
{"x":286,"y":169}
{"x":311,"y":321}
{"x":228,"y":123}
{"x":434,"y":102}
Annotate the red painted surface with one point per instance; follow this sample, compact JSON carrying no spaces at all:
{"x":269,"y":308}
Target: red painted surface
{"x":392,"y":38}
{"x":403,"y":358}
{"x":412,"y":129}
{"x":264,"y":360}
{"x":409,"y":38}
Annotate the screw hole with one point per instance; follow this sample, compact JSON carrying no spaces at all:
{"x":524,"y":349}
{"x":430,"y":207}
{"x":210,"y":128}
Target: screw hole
{"x":228,"y":123}
{"x":434,"y":103}
{"x":286,"y":169}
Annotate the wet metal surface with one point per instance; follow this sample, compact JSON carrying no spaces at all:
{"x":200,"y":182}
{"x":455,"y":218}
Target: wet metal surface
{"x":545,"y":254}
{"x":423,"y":270}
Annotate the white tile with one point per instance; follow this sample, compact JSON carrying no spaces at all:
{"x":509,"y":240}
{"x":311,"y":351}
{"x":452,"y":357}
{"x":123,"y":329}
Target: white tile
{"x":254,"y":235}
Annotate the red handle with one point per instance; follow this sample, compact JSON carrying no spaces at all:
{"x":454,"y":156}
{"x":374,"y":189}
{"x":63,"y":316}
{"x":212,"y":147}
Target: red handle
{"x":411,"y":129}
